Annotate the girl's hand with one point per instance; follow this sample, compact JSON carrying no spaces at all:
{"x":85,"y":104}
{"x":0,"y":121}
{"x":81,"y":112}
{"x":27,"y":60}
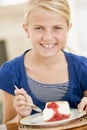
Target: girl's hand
{"x":21,"y":102}
{"x":83,"y":104}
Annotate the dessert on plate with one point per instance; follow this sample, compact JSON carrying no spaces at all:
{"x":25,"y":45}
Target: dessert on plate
{"x":55,"y":111}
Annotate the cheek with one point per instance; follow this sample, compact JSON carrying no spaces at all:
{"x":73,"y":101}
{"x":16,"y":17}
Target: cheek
{"x":62,"y":37}
{"x":35,"y":39}
{"x":35,"y":36}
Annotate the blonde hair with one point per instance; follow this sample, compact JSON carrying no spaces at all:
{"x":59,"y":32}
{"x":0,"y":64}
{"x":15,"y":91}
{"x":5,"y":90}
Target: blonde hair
{"x":57,"y":6}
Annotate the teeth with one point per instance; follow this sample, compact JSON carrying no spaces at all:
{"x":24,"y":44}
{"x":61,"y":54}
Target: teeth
{"x":48,"y":46}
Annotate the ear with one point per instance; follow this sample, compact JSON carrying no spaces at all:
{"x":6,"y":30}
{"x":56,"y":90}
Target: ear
{"x":26,"y":30}
{"x":69,"y":26}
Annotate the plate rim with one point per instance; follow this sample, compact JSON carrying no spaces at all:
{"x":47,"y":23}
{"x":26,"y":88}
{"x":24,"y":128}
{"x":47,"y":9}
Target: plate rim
{"x":82,"y":113}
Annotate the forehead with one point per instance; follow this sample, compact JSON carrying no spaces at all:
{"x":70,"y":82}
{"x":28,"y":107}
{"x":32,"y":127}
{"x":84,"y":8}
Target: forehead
{"x":46,"y":17}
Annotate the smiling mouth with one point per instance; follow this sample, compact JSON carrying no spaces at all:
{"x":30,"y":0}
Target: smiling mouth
{"x":48,"y":46}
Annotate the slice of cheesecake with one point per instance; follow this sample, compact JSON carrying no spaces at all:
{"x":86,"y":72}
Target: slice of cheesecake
{"x":55,"y":111}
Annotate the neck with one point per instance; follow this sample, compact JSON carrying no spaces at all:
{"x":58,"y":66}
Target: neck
{"x":46,"y":62}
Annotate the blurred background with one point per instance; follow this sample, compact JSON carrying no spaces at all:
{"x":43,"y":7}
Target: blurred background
{"x":13,"y":40}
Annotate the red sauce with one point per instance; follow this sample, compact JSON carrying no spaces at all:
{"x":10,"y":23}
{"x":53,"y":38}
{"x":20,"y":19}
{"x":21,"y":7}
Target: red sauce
{"x":57,"y":116}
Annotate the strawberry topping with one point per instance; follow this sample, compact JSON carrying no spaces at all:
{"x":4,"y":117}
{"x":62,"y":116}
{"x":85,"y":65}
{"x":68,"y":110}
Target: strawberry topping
{"x":57,"y":116}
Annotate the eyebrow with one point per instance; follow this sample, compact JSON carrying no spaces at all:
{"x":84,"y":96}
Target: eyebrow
{"x":48,"y":26}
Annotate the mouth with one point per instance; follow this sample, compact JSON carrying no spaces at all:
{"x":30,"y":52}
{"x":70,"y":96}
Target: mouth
{"x":48,"y":46}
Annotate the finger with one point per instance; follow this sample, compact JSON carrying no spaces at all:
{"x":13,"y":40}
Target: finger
{"x":85,"y":108}
{"x":19,"y":100}
{"x":21,"y":103}
{"x":23,"y":110}
{"x":20,"y":91}
{"x":29,"y":99}
{"x":24,"y":93}
{"x":80,"y":107}
{"x":19,"y":97}
{"x":82,"y":104}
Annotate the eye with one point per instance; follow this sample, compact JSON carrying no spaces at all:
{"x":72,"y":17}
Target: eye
{"x":39,"y":28}
{"x":57,"y":28}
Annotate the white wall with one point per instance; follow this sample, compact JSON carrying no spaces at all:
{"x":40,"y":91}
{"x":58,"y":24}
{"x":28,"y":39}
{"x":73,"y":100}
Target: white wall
{"x":11,"y":30}
{"x":78,"y":33}
{"x":81,"y":13}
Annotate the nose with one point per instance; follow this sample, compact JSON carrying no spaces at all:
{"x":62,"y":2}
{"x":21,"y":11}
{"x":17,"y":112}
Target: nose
{"x":48,"y":35}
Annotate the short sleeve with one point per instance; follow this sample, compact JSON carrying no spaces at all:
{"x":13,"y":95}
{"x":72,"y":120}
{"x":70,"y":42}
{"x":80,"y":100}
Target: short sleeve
{"x":7,"y":78}
{"x":83,"y":73}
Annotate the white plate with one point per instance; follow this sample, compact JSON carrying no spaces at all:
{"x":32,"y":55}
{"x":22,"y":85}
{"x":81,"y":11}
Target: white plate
{"x":37,"y":119}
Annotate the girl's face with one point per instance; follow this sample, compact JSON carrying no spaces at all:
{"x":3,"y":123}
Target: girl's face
{"x":47,"y":32}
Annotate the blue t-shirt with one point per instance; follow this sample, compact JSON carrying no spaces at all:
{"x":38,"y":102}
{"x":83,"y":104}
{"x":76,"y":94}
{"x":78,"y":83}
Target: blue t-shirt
{"x":13,"y":72}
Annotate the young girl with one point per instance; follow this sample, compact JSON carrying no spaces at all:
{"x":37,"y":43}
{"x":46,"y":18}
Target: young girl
{"x":45,"y":72}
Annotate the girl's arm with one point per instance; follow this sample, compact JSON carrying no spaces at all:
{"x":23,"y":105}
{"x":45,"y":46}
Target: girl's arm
{"x":9,"y":113}
{"x":15,"y":107}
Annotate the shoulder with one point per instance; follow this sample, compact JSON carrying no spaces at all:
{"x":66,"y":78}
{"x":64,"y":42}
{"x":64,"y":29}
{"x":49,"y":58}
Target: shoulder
{"x":13,"y":67}
{"x":77,"y":64}
{"x":76,"y":59}
{"x":12,"y":64}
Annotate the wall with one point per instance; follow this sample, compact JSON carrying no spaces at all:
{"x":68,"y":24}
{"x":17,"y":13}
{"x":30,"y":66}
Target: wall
{"x":78,"y":34}
{"x":11,"y":30}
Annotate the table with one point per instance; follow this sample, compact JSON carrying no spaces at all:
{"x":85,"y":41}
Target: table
{"x":15,"y":126}
{"x":78,"y":124}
